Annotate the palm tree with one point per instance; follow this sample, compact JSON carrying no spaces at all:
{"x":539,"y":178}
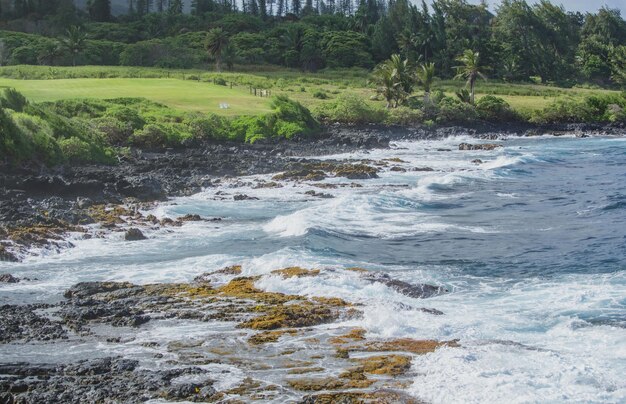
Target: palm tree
{"x":470,"y":70}
{"x":394,"y":80}
{"x":403,"y":73}
{"x":216,"y":41}
{"x":74,"y":41}
{"x":425,"y":75}
{"x":386,"y":85}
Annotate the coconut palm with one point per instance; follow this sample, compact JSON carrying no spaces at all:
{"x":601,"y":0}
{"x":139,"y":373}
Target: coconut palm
{"x":425,"y":75}
{"x":470,"y":70}
{"x":74,"y":41}
{"x":216,"y":42}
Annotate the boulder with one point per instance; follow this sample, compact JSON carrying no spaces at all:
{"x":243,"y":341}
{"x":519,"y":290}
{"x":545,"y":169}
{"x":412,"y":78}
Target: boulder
{"x":416,"y":291}
{"x":134,"y":235}
{"x":8,"y":278}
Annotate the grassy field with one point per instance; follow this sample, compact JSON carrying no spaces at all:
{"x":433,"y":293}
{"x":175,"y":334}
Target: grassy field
{"x":179,"y":94}
{"x":193,"y":90}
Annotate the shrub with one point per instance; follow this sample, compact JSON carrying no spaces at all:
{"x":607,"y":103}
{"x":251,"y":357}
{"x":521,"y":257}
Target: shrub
{"x":38,"y":135}
{"x":349,"y":108}
{"x":13,"y":145}
{"x":404,"y":116}
{"x":76,"y":150}
{"x":616,"y":113}
{"x":219,"y":81}
{"x":160,"y":135}
{"x":114,"y":131}
{"x":13,"y":99}
{"x":452,"y":110}
{"x":320,"y":95}
{"x":250,"y":128}
{"x":595,"y":108}
{"x":300,"y":119}
{"x":126,"y":115}
{"x":495,"y":109}
{"x":209,"y":127}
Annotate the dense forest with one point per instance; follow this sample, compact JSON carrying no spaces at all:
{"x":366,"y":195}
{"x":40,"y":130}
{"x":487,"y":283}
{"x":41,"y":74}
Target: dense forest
{"x":519,"y":42}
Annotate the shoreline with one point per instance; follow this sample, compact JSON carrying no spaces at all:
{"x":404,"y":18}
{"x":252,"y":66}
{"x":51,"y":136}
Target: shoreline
{"x":39,"y":205}
{"x":236,"y":323}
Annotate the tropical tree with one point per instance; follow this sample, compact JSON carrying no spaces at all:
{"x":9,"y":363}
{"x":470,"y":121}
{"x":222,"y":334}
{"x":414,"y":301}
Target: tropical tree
{"x":74,"y":41}
{"x":470,"y":70}
{"x":216,"y":42}
{"x":425,"y":76}
{"x":394,"y":80}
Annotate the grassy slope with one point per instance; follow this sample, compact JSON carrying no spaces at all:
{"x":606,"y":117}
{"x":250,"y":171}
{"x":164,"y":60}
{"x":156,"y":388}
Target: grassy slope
{"x":193,"y":95}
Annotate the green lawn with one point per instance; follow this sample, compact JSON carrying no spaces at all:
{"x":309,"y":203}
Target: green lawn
{"x":179,"y":94}
{"x":193,"y":90}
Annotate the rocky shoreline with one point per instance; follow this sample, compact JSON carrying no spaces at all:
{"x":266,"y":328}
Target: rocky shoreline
{"x":273,"y":336}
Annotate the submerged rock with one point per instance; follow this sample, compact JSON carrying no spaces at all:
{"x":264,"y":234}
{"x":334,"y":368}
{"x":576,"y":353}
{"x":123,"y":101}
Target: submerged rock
{"x":243,"y":197}
{"x":8,"y":278}
{"x":485,"y":146}
{"x":6,"y":256}
{"x":319,"y":194}
{"x":417,"y":291}
{"x":134,"y":234}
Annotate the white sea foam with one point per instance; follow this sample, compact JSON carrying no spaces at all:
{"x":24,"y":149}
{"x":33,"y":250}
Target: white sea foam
{"x":538,"y":339}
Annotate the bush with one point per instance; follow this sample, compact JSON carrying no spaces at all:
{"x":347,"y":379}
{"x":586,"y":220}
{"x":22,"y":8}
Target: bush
{"x":209,"y":127}
{"x":404,"y":116}
{"x":348,"y":108}
{"x":158,"y":136}
{"x":250,"y":128}
{"x":616,"y":113}
{"x":320,"y":95}
{"x":114,"y":131}
{"x":495,"y":109}
{"x":126,"y":115}
{"x":76,"y":150}
{"x":13,"y":99}
{"x":38,"y":135}
{"x":597,"y":108}
{"x":452,"y":110}
{"x":13,"y":145}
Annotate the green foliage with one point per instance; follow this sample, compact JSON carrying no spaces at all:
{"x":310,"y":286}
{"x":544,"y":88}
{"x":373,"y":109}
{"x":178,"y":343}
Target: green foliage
{"x":348,"y":108}
{"x":13,"y":99}
{"x":321,"y":95}
{"x":394,"y":80}
{"x":404,"y":116}
{"x":495,"y":109}
{"x":452,"y":110}
{"x":210,"y":127}
{"x":130,"y":117}
{"x":589,"y":109}
{"x":38,"y":135}
{"x":160,"y":135}
{"x":345,"y":49}
{"x":14,"y":147}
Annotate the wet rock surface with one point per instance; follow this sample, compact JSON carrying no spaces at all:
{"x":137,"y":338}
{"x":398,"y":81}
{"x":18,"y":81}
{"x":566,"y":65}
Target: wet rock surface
{"x":268,"y":329}
{"x":101,"y":380}
{"x":484,"y":146}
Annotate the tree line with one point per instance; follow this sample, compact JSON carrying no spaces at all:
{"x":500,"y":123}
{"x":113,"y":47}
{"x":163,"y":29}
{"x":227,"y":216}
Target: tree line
{"x":542,"y":42}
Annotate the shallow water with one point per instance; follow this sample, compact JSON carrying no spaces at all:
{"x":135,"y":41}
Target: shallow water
{"x":531,"y":245}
